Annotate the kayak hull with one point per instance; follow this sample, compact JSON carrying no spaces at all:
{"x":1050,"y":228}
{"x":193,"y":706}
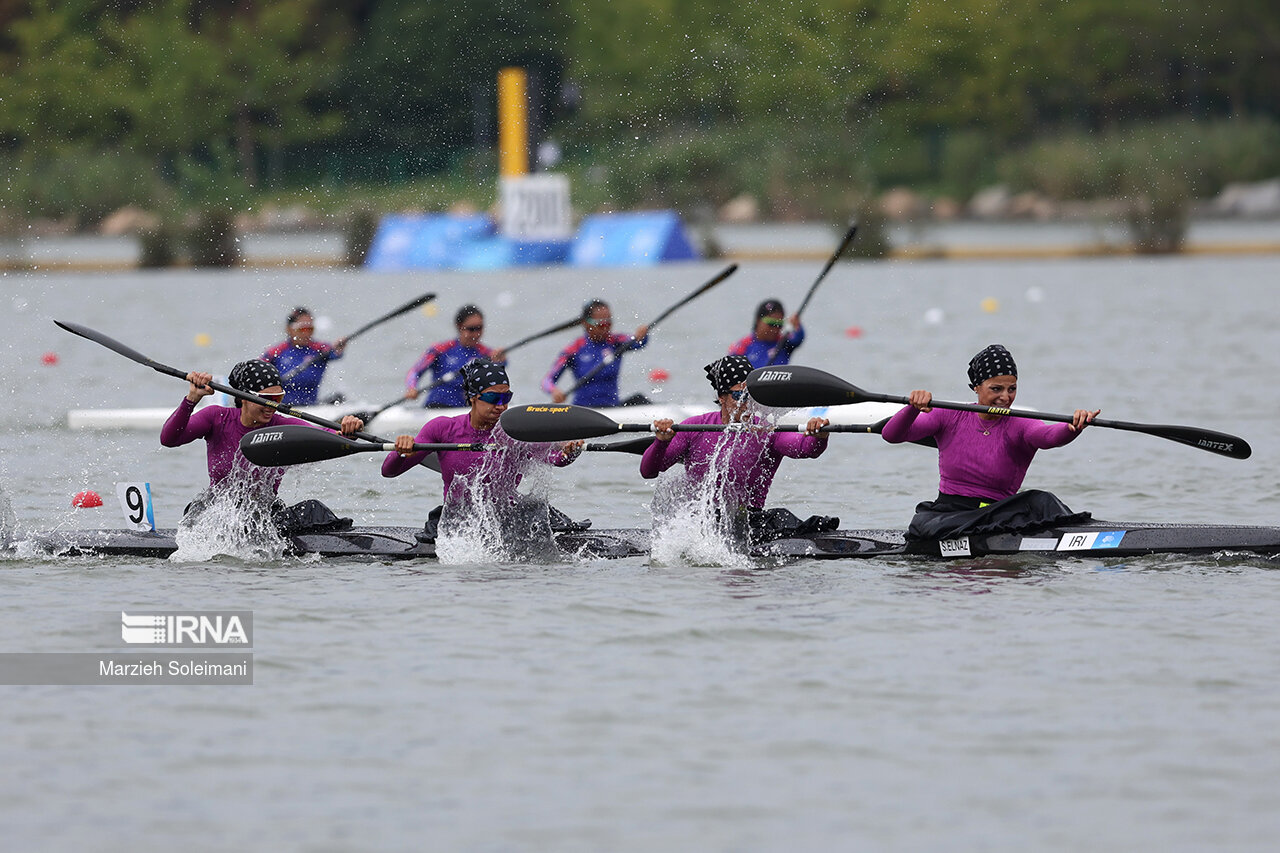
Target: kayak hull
{"x":402,"y":420}
{"x":1095,"y":539}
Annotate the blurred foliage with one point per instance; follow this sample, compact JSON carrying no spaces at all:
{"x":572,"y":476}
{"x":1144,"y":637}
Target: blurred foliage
{"x":809,"y":105}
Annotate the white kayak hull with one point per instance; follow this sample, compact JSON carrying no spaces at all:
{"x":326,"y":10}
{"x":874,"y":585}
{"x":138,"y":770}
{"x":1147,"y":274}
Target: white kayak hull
{"x":409,"y":419}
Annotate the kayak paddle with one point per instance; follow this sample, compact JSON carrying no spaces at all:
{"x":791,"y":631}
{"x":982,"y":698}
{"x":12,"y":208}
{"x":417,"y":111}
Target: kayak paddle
{"x":547,"y":423}
{"x":831,"y":262}
{"x":622,"y":348}
{"x":278,"y":446}
{"x":322,"y":357}
{"x":134,"y":355}
{"x":788,"y":386}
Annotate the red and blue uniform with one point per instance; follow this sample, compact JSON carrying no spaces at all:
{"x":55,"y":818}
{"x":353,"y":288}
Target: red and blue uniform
{"x":303,"y":389}
{"x":581,"y":357}
{"x":757,"y":351}
{"x":445,"y":361}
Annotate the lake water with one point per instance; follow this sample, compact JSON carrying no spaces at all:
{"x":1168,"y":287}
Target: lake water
{"x":693,"y":703}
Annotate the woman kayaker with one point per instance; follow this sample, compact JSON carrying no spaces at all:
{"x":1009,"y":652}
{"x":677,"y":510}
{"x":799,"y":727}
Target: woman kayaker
{"x":301,"y":359}
{"x":594,"y":357}
{"x":444,"y":361}
{"x":491,"y":475}
{"x":767,"y":344}
{"x":983,"y":458}
{"x":222,"y":427}
{"x":740,"y":461}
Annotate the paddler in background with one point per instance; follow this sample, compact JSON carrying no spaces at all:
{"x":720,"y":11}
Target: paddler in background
{"x":492,"y":475}
{"x":231,"y":475}
{"x":740,"y":463}
{"x":445,"y":361}
{"x":983,"y":458}
{"x":767,"y":344}
{"x":297,"y":350}
{"x":596,"y":357}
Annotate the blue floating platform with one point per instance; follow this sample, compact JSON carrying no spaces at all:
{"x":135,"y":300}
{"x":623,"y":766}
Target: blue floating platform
{"x":431,"y":241}
{"x":631,"y":240}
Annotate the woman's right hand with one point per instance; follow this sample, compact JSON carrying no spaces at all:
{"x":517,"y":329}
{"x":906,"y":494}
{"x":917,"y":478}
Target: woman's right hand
{"x":921,"y":401}
{"x":411,"y":394}
{"x":199,"y":386}
{"x":662,"y":429}
{"x":404,"y":444}
{"x":558,"y":396}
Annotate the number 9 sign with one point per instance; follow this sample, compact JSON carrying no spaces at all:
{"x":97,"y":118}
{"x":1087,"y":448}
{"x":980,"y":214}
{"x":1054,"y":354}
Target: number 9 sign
{"x":135,"y":501}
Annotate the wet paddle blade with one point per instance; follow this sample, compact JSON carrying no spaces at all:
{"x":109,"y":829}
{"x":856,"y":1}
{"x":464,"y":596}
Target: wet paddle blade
{"x":546,"y":422}
{"x":795,"y":386}
{"x":275,"y":447}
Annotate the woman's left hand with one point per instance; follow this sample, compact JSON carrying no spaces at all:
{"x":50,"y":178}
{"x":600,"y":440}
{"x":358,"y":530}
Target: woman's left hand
{"x":351,"y":424}
{"x":572,"y":449}
{"x":815,"y":424}
{"x":1080,"y":418}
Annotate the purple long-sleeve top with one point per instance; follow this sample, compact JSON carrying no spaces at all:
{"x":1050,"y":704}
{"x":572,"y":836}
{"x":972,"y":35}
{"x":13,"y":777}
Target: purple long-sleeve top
{"x":978,"y":458}
{"x":748,"y":457}
{"x":500,"y":468}
{"x":221,"y":429}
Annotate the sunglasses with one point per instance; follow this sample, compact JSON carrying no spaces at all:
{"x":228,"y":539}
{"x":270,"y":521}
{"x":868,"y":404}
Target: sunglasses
{"x":495,"y":398}
{"x":275,"y":397}
{"x":479,"y":328}
{"x":607,"y":321}
{"x":770,"y":321}
{"x":738,"y":396}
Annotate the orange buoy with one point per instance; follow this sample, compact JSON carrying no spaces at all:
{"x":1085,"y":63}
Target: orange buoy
{"x":658,"y":375}
{"x":49,"y":358}
{"x":853,"y":332}
{"x":87,"y":498}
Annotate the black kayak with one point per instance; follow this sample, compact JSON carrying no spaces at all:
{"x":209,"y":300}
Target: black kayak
{"x":1089,"y":539}
{"x":383,"y":543}
{"x":1092,"y":539}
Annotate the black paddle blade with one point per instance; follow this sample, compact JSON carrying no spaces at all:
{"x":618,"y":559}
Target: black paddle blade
{"x":1205,"y":439}
{"x":635,"y":446}
{"x":793,"y":386}
{"x":546,"y":422}
{"x":275,"y":447}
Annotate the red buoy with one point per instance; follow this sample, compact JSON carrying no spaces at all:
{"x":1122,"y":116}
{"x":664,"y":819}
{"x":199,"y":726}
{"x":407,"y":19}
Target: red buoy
{"x":658,"y":375}
{"x":88,"y":498}
{"x":49,"y":358}
{"x":853,"y":332}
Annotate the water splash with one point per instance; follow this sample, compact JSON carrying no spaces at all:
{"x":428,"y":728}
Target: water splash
{"x":8,"y":521}
{"x":233,"y":522}
{"x":487,"y":521}
{"x":693,"y":521}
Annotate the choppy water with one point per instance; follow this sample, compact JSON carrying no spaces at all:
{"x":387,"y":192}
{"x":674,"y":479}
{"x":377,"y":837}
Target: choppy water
{"x":691,"y":703}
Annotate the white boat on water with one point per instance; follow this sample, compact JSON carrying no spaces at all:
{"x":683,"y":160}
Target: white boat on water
{"x":409,"y":419}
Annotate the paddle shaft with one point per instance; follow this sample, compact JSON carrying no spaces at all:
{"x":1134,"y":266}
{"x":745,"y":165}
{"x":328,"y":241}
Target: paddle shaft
{"x":631,"y":344}
{"x":804,"y":303}
{"x":791,"y":386}
{"x":322,"y":357}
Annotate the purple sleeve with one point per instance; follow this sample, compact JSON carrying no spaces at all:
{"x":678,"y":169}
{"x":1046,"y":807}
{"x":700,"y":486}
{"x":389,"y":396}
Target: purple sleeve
{"x":395,"y":464}
{"x":1043,"y":436}
{"x":183,"y":427}
{"x":661,"y":455}
{"x":797,"y":445}
{"x":907,"y":425}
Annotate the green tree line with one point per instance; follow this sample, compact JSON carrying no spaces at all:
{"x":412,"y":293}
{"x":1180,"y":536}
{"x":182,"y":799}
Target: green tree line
{"x":174,"y":101}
